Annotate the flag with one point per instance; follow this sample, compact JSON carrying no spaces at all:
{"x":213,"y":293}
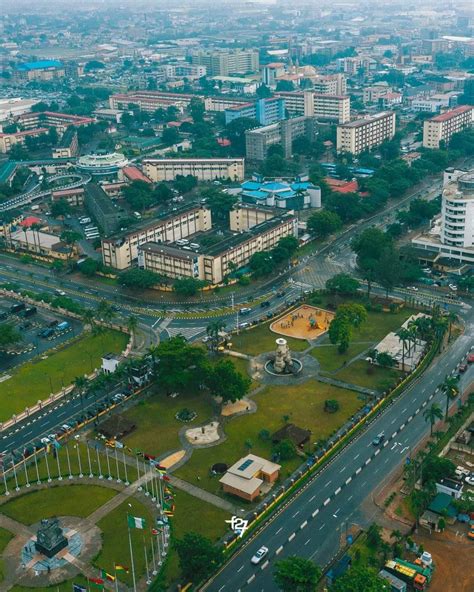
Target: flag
{"x":134,"y":522}
{"x":154,"y":531}
{"x":56,"y":444}
{"x":108,"y":576}
{"x":169,"y":513}
{"x":119,"y":567}
{"x":149,"y":457}
{"x":160,"y":467}
{"x":78,"y":588}
{"x":98,"y":582}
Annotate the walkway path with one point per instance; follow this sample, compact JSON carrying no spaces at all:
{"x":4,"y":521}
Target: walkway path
{"x":205,"y":495}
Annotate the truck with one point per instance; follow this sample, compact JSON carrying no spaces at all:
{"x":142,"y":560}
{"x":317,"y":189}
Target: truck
{"x":62,"y":326}
{"x":29,"y":312}
{"x":407,"y":574}
{"x":17,"y":307}
{"x":424,"y":571}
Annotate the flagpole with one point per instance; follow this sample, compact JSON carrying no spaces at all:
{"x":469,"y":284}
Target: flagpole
{"x":115,"y":575}
{"x":68,"y":461}
{"x":117,"y":466}
{"x":89,"y":459}
{"x":98,"y":462}
{"x":109,"y":478}
{"x":153,"y":556}
{"x":127,"y":482}
{"x":148,"y":581}
{"x":79,"y":461}
{"x":5,"y":481}
{"x":131,"y":558}
{"x":47,"y":466}
{"x":138,"y":473}
{"x":38,"y":480}
{"x":14,"y":474}
{"x":26,"y":473}
{"x":57,"y":461}
{"x":145,"y":482}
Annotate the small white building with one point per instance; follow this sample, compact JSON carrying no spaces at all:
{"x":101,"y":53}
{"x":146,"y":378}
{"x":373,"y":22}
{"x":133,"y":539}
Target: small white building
{"x":451,"y":487}
{"x":110,"y":363}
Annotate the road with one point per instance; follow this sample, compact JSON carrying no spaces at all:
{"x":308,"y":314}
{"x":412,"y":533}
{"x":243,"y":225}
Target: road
{"x":310,"y":526}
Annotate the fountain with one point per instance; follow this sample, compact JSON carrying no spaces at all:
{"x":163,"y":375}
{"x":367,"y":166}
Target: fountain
{"x":283,"y":364}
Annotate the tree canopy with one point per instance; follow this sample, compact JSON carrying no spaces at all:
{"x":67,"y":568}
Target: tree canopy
{"x":198,"y":556}
{"x":296,"y":574}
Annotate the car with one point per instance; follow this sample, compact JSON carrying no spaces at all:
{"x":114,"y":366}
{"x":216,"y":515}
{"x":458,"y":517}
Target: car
{"x":462,"y":472}
{"x":414,"y":288}
{"x":45,"y":441}
{"x":265,"y":304}
{"x":453,"y":287}
{"x":244,"y":325}
{"x":462,"y":367}
{"x":66,"y":427}
{"x":426,"y":270}
{"x":379,"y":438}
{"x":470,"y":480}
{"x":245,"y":310}
{"x":45,"y":333}
{"x":280,"y":293}
{"x":259,"y":555}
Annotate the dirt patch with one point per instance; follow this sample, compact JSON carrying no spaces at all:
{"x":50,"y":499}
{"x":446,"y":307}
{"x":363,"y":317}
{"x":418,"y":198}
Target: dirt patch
{"x":452,"y":556}
{"x":306,"y":322}
{"x":237,"y":407}
{"x":171,"y":460}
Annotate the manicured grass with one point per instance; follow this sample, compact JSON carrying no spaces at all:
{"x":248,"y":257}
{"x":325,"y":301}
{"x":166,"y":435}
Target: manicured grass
{"x":377,"y":378}
{"x":115,"y":547}
{"x":157,"y":428}
{"x":378,"y":324}
{"x":193,"y":514}
{"x":5,"y":537}
{"x":63,"y":587}
{"x":31,"y":381}
{"x":302,"y":403}
{"x":70,"y":500}
{"x":260,"y":339}
{"x":331,"y":360}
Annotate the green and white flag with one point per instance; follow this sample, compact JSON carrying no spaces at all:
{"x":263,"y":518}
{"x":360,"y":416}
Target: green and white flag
{"x":134,"y":522}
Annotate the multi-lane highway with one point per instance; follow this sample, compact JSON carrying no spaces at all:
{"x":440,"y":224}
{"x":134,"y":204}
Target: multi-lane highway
{"x":310,"y":526}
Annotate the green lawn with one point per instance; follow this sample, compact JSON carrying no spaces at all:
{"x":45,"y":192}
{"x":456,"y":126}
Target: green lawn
{"x":115,"y":548}
{"x":70,"y":500}
{"x":243,"y":366}
{"x":157,"y":428}
{"x":31,"y":381}
{"x":63,"y":587}
{"x":304,"y":405}
{"x":362,"y":373}
{"x":260,"y":339}
{"x":378,"y":324}
{"x":5,"y":537}
{"x":192,"y":514}
{"x":331,"y":360}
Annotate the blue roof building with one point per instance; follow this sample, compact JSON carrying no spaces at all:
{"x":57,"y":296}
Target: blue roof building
{"x":296,"y":194}
{"x":40,"y":65}
{"x":265,"y":111}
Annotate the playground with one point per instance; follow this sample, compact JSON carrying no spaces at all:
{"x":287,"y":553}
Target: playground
{"x":305,"y":322}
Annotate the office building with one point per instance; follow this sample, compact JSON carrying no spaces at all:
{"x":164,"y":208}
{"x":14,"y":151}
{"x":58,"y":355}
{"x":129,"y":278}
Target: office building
{"x":102,"y":163}
{"x":150,"y":100}
{"x":288,"y":194}
{"x":183,"y":70}
{"x":265,"y":111}
{"x":9,"y":140}
{"x":68,"y":145}
{"x":330,"y":84}
{"x":364,"y":134}
{"x":322,"y":106}
{"x":258,"y":140}
{"x":223,"y":63}
{"x":105,"y":213}
{"x":60,"y":121}
{"x":204,"y":169}
{"x":222,"y":102}
{"x":452,"y":236}
{"x":44,"y":71}
{"x":250,"y":234}
{"x":121,"y":251}
{"x":271,"y":72}
{"x":442,"y":127}
{"x":74,"y":197}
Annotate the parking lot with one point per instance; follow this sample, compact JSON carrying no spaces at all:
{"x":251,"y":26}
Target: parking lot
{"x":40,"y":330}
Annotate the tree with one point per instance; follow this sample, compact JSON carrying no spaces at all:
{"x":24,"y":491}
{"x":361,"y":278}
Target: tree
{"x":180,"y":365}
{"x":139,"y":195}
{"x":170,"y":136}
{"x":404,"y":335}
{"x":450,"y":388}
{"x":235,"y":130}
{"x":139,"y":279}
{"x":196,"y":108}
{"x":188,"y":286}
{"x":360,"y":579}
{"x":340,"y":333}
{"x":163,"y":193}
{"x":432,"y":414}
{"x":132,"y":326}
{"x":436,"y":468}
{"x":331,"y":405}
{"x":263,"y":92}
{"x":343,"y":284}
{"x":213,"y":331}
{"x":385,"y":360}
{"x":285,"y":449}
{"x":70,"y":237}
{"x":369,"y":247}
{"x":220,"y":203}
{"x":8,"y":335}
{"x":105,"y":312}
{"x":323,"y":223}
{"x":296,"y":574}
{"x":226,"y":382}
{"x":60,"y":208}
{"x":198,"y":556}
{"x":261,"y":264}
{"x":285,"y":86}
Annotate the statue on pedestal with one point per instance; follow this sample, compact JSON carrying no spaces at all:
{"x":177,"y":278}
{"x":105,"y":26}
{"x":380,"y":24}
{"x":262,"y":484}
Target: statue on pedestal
{"x":50,"y":538}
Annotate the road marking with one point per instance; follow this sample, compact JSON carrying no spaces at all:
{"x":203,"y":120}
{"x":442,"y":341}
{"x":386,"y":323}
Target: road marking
{"x":322,"y":526}
{"x":338,"y":490}
{"x":279,"y":550}
{"x":251,"y":579}
{"x":312,"y":498}
{"x":410,"y":418}
{"x":377,"y":452}
{"x":328,"y":483}
{"x":394,"y":446}
{"x":307,"y":541}
{"x":385,"y":443}
{"x":221,"y":588}
{"x":240,"y":568}
{"x":296,"y":514}
{"x":393,"y":435}
{"x":404,"y":409}
{"x":368,"y":461}
{"x":424,"y":404}
{"x":364,"y":483}
{"x":386,"y":460}
{"x":266,"y":564}
{"x":348,"y":480}
{"x":392,"y":422}
{"x":358,"y":470}
{"x":279,"y":530}
{"x":349,"y":498}
{"x":291,"y":537}
{"x":403,"y":449}
{"x":315,"y":513}
{"x":304,"y":525}
{"x":343,"y":469}
{"x":28,"y":433}
{"x":401,"y":427}
{"x":327,"y":501}
{"x":357,"y":456}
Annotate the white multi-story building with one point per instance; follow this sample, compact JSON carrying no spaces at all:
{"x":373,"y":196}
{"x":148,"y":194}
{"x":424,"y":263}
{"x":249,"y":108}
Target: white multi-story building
{"x":322,"y":106}
{"x":330,"y":84}
{"x":442,"y":127}
{"x":364,"y":134}
{"x":453,"y":236}
{"x":204,"y":169}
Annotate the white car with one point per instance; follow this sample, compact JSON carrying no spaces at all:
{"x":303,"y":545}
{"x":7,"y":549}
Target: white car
{"x":259,"y":555}
{"x":470,"y":480}
{"x":414,"y":288}
{"x":45,"y":441}
{"x":462,"y":472}
{"x":453,"y":287}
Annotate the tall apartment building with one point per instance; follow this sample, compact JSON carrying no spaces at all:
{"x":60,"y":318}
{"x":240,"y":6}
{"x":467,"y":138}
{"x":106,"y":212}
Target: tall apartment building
{"x":271,"y":72}
{"x":330,"y":84}
{"x":311,"y":104}
{"x":442,"y":127}
{"x":223,"y":63}
{"x":265,"y":111}
{"x":453,"y":238}
{"x":68,"y":145}
{"x":150,"y":100}
{"x":255,"y":231}
{"x":258,"y":140}
{"x":61,"y":121}
{"x":183,"y":70}
{"x":364,"y":134}
{"x":121,"y":251}
{"x":101,"y":208}
{"x":9,"y":140}
{"x":204,"y":169}
{"x":222,"y":102}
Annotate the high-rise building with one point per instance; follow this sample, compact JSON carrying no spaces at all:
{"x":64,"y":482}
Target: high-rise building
{"x":223,"y":63}
{"x":330,"y":84}
{"x":442,"y":127}
{"x":324,"y":107}
{"x":265,"y":111}
{"x":258,"y":140}
{"x":364,"y":134}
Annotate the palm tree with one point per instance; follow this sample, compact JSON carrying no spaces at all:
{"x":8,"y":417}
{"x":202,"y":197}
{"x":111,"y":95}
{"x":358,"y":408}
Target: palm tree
{"x":36,"y":227}
{"x":450,"y":388}
{"x":132,"y":324}
{"x":105,"y":311}
{"x":452,"y":317}
{"x":88,"y":316}
{"x":404,"y":336}
{"x":432,"y":414}
{"x":213,"y":330}
{"x":81,"y":384}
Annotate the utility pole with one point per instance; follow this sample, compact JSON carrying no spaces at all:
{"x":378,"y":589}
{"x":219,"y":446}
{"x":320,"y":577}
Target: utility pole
{"x":232,"y":300}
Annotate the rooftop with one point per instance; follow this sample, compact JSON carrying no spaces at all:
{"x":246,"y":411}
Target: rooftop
{"x":453,"y":113}
{"x":168,"y":250}
{"x":39,"y":65}
{"x":366,"y":120}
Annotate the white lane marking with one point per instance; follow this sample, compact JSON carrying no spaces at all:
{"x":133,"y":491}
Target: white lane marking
{"x":358,"y":471}
{"x":312,"y":498}
{"x":307,"y":541}
{"x":266,"y":564}
{"x":348,"y":480}
{"x":328,"y":483}
{"x":368,"y":461}
{"x":322,"y":526}
{"x":221,"y":588}
{"x":392,"y":422}
{"x":279,"y":550}
{"x":327,"y":501}
{"x":315,"y":513}
{"x":303,"y":524}
{"x":279,"y":530}
{"x":394,"y":446}
{"x":343,"y":469}
{"x":364,"y":483}
{"x":404,"y":409}
{"x":410,"y":418}
{"x":403,"y":449}
{"x":251,"y":579}
{"x":338,"y":491}
{"x":356,"y":456}
{"x":393,"y":435}
{"x":240,"y":568}
{"x":296,"y":514}
{"x":401,"y":427}
{"x":377,"y":452}
{"x":291,"y":537}
{"x":349,"y":498}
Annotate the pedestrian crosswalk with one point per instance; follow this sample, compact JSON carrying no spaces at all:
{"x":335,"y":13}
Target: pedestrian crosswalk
{"x":188,"y":332}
